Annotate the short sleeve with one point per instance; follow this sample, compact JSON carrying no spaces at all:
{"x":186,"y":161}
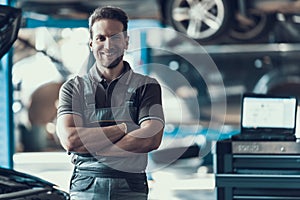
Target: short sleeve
{"x":70,"y":100}
{"x":151,"y":102}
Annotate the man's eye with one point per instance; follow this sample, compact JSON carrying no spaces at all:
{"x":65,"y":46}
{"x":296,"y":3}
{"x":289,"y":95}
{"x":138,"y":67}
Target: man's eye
{"x":115,"y":37}
{"x":101,"y":38}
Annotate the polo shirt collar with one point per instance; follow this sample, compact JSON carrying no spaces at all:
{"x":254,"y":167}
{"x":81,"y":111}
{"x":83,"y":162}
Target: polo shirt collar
{"x":96,"y":77}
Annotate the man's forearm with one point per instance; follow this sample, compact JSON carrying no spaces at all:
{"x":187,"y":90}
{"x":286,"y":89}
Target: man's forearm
{"x":142,"y":140}
{"x":104,"y":137}
{"x":91,"y":140}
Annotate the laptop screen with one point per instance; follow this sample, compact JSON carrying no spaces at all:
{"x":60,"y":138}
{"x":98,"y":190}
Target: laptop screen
{"x":270,"y":113}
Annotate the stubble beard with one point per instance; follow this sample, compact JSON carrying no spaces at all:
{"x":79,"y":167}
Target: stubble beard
{"x":115,"y":62}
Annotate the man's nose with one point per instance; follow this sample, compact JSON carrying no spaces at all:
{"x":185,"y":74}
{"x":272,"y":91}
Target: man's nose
{"x":107,"y":43}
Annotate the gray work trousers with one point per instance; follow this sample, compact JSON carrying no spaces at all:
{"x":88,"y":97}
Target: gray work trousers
{"x":98,"y":188}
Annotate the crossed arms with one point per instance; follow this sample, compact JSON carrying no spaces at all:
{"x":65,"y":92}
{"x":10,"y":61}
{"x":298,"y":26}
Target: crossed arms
{"x":109,"y":140}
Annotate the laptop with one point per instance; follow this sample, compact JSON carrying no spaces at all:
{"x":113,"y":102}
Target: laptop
{"x":268,"y":118}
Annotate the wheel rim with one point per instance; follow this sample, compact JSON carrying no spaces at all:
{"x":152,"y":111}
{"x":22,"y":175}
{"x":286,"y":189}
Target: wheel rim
{"x":199,"y":19}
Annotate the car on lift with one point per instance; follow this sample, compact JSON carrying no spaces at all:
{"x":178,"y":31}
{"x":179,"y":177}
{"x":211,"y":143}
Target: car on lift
{"x":19,"y":185}
{"x":207,"y":21}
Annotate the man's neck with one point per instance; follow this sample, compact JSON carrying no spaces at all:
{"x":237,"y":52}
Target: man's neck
{"x":111,"y":73}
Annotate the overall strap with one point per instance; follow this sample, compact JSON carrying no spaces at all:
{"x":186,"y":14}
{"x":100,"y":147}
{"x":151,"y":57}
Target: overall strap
{"x":89,"y":92}
{"x":133,"y":83}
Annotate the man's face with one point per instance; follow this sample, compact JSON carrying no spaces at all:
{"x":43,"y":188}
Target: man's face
{"x":108,"y":42}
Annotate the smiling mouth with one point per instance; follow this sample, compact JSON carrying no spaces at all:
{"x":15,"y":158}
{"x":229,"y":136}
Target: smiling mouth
{"x":108,"y":55}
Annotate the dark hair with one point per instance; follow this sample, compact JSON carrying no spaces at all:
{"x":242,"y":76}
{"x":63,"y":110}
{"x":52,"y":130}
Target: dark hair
{"x":108,"y":12}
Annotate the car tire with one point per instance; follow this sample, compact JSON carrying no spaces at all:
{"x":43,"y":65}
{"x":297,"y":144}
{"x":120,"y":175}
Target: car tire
{"x":279,"y":83}
{"x":186,"y":18}
{"x":255,"y":27}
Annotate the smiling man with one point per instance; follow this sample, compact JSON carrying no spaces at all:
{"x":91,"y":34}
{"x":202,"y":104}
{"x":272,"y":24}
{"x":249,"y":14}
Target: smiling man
{"x":110,"y":118}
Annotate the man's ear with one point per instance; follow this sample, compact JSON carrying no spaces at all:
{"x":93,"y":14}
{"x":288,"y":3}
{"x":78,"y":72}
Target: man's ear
{"x":91,"y":44}
{"x":126,"y":42}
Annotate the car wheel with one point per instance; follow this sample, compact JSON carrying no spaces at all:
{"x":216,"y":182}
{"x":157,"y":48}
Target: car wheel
{"x":203,"y":20}
{"x":255,"y":26}
{"x":279,"y":83}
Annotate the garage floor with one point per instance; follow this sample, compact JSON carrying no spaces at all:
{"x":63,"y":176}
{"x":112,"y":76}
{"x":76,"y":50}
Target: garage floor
{"x":196,"y":188}
{"x":184,"y":180}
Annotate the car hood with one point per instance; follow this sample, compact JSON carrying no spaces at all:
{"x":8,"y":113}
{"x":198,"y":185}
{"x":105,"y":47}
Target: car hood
{"x":18,"y":185}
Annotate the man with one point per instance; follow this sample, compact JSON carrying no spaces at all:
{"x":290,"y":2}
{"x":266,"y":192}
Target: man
{"x":110,"y":118}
